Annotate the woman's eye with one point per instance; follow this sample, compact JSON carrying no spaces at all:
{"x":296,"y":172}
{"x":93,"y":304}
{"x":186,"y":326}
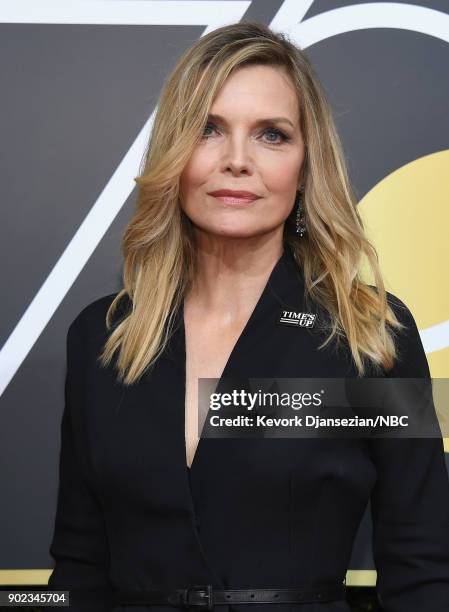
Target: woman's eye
{"x":208,"y":125}
{"x":277,"y":133}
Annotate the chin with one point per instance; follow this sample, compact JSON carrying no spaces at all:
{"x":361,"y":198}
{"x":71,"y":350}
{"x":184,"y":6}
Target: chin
{"x":234,"y":228}
{"x":238,"y":232}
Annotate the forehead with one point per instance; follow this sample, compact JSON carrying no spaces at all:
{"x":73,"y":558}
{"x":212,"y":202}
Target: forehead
{"x":254,"y":91}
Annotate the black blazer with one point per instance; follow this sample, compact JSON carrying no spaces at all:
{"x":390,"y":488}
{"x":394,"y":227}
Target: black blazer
{"x":250,"y":513}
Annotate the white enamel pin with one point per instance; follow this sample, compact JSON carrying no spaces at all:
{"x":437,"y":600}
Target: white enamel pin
{"x":298,"y":319}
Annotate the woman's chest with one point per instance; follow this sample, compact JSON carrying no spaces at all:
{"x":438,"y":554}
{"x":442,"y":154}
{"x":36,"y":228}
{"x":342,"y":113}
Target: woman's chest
{"x":137,"y":434}
{"x":208,"y":347}
{"x":139,"y":457}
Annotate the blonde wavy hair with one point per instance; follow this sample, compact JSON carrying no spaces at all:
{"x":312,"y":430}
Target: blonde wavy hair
{"x":158,"y":244}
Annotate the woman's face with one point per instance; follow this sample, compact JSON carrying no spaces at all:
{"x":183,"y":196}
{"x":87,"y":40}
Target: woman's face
{"x":238,"y":151}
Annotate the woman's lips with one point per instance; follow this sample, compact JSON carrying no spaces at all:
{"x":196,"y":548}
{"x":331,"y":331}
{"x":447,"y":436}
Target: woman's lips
{"x":235,"y":200}
{"x":237,"y":197}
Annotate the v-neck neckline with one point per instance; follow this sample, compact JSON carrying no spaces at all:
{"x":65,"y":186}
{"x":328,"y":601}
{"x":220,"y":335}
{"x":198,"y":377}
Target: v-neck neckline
{"x":275,"y":270}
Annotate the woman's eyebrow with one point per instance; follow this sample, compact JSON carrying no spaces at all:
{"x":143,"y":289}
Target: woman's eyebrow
{"x":265,"y":121}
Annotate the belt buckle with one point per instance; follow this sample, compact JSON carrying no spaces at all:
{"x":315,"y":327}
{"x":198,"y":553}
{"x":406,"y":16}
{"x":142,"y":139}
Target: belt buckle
{"x":205,"y":593}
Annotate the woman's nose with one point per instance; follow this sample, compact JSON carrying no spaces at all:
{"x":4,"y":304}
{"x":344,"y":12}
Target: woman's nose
{"x":237,"y":154}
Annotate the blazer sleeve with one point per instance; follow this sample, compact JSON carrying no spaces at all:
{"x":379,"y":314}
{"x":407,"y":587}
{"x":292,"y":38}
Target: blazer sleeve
{"x":79,"y":545}
{"x":410,"y":502}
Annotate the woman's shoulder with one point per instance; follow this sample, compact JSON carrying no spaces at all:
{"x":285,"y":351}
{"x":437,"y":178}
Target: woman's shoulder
{"x":411,"y":360}
{"x":91,"y":319}
{"x":399,"y":307}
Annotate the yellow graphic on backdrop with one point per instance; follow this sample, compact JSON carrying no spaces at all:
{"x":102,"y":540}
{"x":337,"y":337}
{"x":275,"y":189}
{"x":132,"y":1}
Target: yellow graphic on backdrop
{"x":406,"y":216}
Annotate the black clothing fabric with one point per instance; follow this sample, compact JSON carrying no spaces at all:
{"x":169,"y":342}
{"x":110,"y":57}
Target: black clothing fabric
{"x":252,"y":512}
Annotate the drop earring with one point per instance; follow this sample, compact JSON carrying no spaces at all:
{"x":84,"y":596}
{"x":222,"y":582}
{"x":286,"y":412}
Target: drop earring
{"x":300,"y":217}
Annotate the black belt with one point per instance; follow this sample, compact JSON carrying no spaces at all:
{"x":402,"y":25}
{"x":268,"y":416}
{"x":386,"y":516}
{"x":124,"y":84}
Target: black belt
{"x":205,"y":596}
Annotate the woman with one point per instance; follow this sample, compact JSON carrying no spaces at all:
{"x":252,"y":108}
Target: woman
{"x":245,"y":217}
